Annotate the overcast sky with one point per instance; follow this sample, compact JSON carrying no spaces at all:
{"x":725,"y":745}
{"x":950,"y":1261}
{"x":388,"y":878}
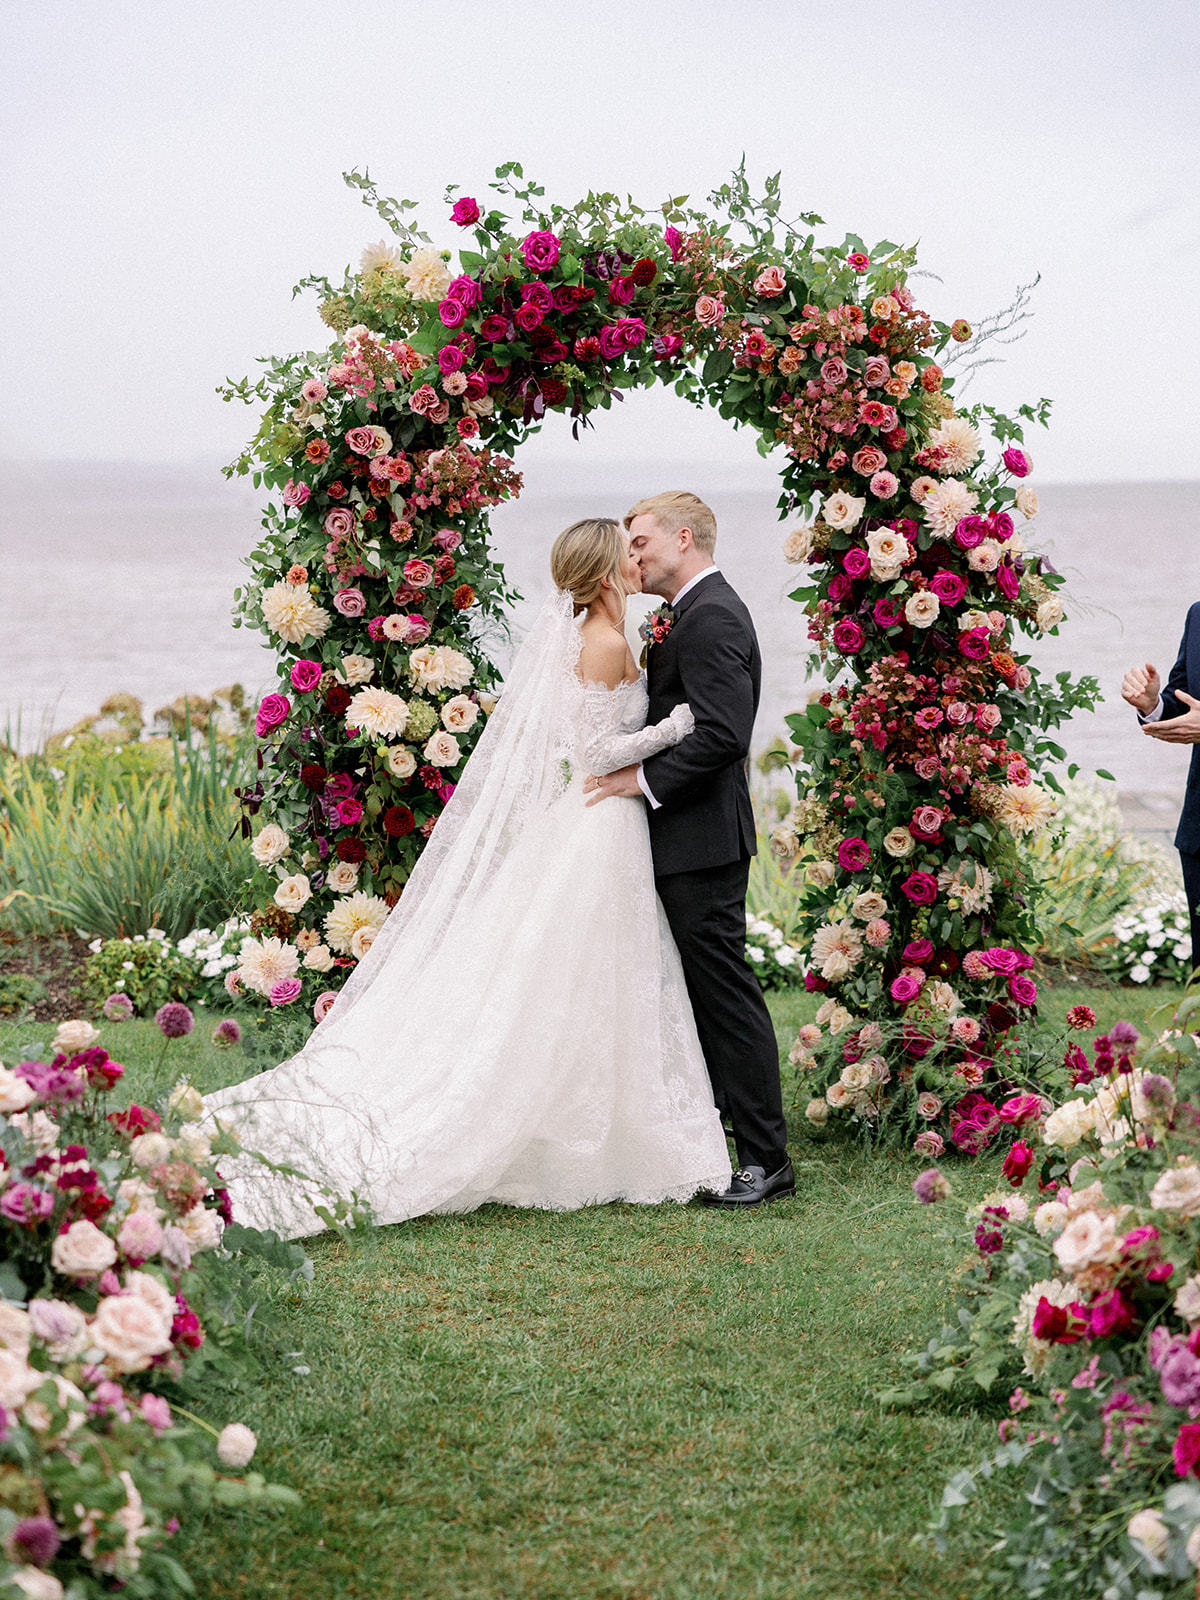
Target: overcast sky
{"x":170,"y":170}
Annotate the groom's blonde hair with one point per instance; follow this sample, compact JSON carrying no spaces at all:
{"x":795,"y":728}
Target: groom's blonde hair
{"x":675,"y":509}
{"x":584,"y":555}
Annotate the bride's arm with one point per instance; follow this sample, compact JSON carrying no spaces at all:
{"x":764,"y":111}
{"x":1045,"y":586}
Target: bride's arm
{"x":605,"y":748}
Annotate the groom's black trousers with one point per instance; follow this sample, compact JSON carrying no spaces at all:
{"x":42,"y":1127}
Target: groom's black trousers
{"x":707,"y":914}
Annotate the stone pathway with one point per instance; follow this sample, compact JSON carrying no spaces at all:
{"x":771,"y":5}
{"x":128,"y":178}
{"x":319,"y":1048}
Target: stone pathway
{"x":1152,"y":813}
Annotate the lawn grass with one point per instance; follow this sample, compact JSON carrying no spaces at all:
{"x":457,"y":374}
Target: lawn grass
{"x":622,"y":1403}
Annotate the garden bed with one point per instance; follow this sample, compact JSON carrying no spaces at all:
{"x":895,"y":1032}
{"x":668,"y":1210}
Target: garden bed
{"x":52,"y":966}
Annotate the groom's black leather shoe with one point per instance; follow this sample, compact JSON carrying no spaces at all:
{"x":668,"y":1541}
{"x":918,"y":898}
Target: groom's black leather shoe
{"x":751,"y":1186}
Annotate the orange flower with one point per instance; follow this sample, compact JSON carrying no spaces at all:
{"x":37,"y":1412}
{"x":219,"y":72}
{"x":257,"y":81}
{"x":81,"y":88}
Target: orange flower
{"x":297,"y":575}
{"x":464,"y":597}
{"x":1004,"y":664}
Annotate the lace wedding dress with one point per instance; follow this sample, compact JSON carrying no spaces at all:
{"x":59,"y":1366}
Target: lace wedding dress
{"x":520,"y":1031}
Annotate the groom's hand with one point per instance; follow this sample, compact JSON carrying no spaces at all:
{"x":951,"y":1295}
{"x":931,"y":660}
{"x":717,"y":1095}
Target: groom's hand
{"x":1140,"y":688}
{"x":1178,"y":730}
{"x":622,"y":782}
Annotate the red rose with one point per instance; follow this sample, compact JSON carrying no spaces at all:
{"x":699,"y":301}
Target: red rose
{"x":464,"y":597}
{"x":135,"y":1120}
{"x":644,"y":272}
{"x":494,"y":328}
{"x":337,"y":699}
{"x":336,"y":489}
{"x":1059,"y":1324}
{"x":353,"y":850}
{"x":1017,"y":1163}
{"x":397,"y":821}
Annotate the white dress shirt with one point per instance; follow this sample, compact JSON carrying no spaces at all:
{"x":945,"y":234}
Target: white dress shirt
{"x":687,"y":588}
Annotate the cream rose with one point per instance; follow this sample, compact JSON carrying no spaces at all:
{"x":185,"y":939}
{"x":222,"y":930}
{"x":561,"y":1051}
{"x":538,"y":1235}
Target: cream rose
{"x":856,"y":1075}
{"x":83,"y":1251}
{"x":130,"y":1331}
{"x":443,"y":750}
{"x":1049,"y":1217}
{"x":294,"y":892}
{"x":436,"y":666}
{"x":37,"y":1584}
{"x":1027,"y":501}
{"x":16,"y":1330}
{"x":817,"y":1112}
{"x":71,"y":1037}
{"x":1049,"y":613}
{"x":899,"y":843}
{"x":201,"y":1228}
{"x":192,"y":1144}
{"x":401,"y":763}
{"x":139,"y":1196}
{"x":357,"y":669}
{"x":1178,"y":1189}
{"x":188,"y":1101}
{"x":459,"y":714}
{"x":835,"y":966}
{"x":798,"y":545}
{"x":149,"y":1149}
{"x":921,"y":609}
{"x":18,"y":1379}
{"x":15,"y":1093}
{"x":319,"y":958}
{"x":270,"y":845}
{"x":820,"y":873}
{"x":1187,"y":1301}
{"x":342,"y":878}
{"x":155,"y":1293}
{"x":361,"y":941}
{"x":1150,"y":1531}
{"x":1086,"y":1239}
{"x":837,"y":1096}
{"x":868,"y":906}
{"x":1066,"y":1126}
{"x":842,"y":510}
{"x":839,"y":1020}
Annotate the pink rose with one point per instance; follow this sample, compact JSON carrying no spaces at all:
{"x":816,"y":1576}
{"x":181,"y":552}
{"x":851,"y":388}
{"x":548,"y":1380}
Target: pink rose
{"x":447,"y":540}
{"x":417,"y":572}
{"x":361,"y":441}
{"x":928,"y":768}
{"x":339,"y":522}
{"x":285,"y":991}
{"x":999,"y":958}
{"x":770,"y":283}
{"x":350,"y":602}
{"x":710,"y":309}
{"x":920,"y":888}
{"x":621,"y":291}
{"x":465,"y":212}
{"x":349,"y":812}
{"x":306,"y":675}
{"x":876,"y":372}
{"x":906,"y":986}
{"x":323,"y":1003}
{"x":848,"y":637}
{"x":926,"y":822}
{"x":273,"y":710}
{"x":1021,"y":1109}
{"x":540,"y":250}
{"x":1017,"y":462}
{"x":949,"y":587}
{"x":987,"y":718}
{"x":417,"y":629}
{"x":856,"y":563}
{"x":884,"y":485}
{"x":295,"y":494}
{"x":868,"y":460}
{"x":1022,"y":678}
{"x":928,"y":1105}
{"x":958,"y":713}
{"x":424,"y":401}
{"x":834,"y":373}
{"x":929,"y":1143}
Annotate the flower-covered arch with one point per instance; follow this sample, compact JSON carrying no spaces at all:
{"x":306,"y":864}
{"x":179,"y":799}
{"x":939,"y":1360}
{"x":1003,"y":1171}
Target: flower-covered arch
{"x":376,"y":582}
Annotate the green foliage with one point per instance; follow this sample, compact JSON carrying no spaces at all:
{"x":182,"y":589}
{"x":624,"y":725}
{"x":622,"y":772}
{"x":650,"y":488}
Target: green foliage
{"x":17,"y":991}
{"x":150,"y":971}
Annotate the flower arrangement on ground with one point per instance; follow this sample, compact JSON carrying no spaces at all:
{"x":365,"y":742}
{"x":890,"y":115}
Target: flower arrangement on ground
{"x":111,"y":1221}
{"x":1088,"y":1281}
{"x":375,"y":580}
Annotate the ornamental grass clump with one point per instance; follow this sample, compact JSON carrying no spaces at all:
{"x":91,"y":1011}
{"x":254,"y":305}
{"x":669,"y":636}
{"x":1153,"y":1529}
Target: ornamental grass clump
{"x":117,"y":1292}
{"x":1084,"y":1302}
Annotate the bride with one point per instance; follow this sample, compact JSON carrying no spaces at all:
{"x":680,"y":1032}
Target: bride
{"x":520,"y":1030}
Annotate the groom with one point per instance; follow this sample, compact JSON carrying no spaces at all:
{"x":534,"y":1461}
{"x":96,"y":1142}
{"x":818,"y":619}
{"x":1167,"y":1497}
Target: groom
{"x":702,"y":824}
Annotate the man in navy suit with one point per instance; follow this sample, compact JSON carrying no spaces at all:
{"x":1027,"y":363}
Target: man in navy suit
{"x":1172,"y":714}
{"x":702,"y":825}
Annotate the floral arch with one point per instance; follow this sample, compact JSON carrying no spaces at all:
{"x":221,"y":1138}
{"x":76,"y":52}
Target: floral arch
{"x":376,"y":581}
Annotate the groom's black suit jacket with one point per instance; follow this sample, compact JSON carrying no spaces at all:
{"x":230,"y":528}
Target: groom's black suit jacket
{"x":710,"y":658}
{"x":1185,"y":675}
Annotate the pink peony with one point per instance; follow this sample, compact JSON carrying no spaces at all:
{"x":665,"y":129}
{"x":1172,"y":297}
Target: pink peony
{"x":350,"y":602}
{"x":285,"y":991}
{"x":305,"y":675}
{"x":273,"y":710}
{"x":139,"y":1237}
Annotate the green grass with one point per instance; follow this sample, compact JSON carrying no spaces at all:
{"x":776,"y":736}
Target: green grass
{"x":616,"y":1404}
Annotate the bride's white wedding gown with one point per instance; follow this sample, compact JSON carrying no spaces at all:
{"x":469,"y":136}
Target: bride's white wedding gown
{"x":531,"y":1043}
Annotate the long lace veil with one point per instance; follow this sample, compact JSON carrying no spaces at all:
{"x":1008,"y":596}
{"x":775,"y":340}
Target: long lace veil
{"x":517,"y":769}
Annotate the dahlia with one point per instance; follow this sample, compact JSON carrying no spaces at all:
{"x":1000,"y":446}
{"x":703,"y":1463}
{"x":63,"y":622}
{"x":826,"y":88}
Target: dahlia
{"x":960,"y":441}
{"x":1025,"y":809}
{"x":838,"y":947}
{"x":946,"y":506}
{"x":427,"y":275}
{"x":380,"y":257}
{"x":972,"y":897}
{"x":264,"y":963}
{"x":352,"y":912}
{"x":379,"y":714}
{"x":293,"y":614}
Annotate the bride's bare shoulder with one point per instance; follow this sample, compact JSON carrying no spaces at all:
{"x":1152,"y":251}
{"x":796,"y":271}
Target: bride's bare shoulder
{"x":606,"y":657}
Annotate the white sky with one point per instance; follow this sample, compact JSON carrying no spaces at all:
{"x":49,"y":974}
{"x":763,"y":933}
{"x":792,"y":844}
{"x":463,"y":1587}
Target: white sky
{"x":169,"y":170}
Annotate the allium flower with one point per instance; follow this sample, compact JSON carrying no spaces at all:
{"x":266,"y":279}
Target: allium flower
{"x":174,"y":1019}
{"x":959,"y":442}
{"x":945,"y":507}
{"x":353,"y":911}
{"x":227,"y":1034}
{"x":118,"y":1008}
{"x":931,"y":1186}
{"x":34,"y":1540}
{"x":293,"y":614}
{"x":378,"y":713}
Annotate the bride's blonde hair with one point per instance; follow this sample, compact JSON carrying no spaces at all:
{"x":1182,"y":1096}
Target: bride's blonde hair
{"x":584,"y":555}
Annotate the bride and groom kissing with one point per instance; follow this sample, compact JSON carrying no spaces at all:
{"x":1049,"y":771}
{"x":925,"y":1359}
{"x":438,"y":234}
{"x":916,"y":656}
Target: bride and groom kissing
{"x":558,"y":1011}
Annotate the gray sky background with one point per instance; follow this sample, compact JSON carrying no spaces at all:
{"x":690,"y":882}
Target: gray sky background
{"x":168,"y":171}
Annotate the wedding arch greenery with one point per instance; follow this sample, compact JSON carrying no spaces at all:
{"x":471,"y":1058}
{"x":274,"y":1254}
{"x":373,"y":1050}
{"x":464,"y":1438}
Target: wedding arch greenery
{"x":376,"y":580}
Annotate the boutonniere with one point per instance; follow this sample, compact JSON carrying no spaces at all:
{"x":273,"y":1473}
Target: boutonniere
{"x":654,"y":629}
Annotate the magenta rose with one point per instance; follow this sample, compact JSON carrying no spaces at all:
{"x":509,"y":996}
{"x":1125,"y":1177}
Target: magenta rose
{"x":306,"y":675}
{"x":949,"y":587}
{"x":621,"y":291}
{"x":888,"y":613}
{"x":920,"y":888}
{"x":465,"y":212}
{"x":494,"y":328}
{"x":350,"y":602}
{"x":667,"y":346}
{"x":285,"y":991}
{"x":361,"y":441}
{"x":918,"y":951}
{"x":611,"y":345}
{"x":1002,"y":960}
{"x":848,"y":637}
{"x":1021,"y":1109}
{"x":839,"y":587}
{"x":1017,"y":462}
{"x":339,"y":522}
{"x":632,"y":331}
{"x":834,"y":372}
{"x":856,"y":563}
{"x":906,"y":986}
{"x":349,"y":812}
{"x":452,"y":312}
{"x":528,"y":316}
{"x":467,"y":291}
{"x":540,"y":251}
{"x":1111,"y":1313}
{"x":674,"y":242}
{"x":970,"y":532}
{"x":975,"y":644}
{"x":273,"y":710}
{"x":1001,"y":525}
{"x":1023,"y":990}
{"x":418,"y":629}
{"x":854,"y":854}
{"x":450,"y":359}
{"x":295,"y":494}
{"x":1008,"y":581}
{"x":537,"y":294}
{"x":418,"y":572}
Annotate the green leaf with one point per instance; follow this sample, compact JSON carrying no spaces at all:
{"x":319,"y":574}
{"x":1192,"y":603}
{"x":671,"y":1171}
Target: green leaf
{"x":1101,"y":773}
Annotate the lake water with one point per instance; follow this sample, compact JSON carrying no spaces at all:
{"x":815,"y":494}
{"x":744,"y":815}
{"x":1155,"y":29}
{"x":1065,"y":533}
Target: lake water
{"x":120,"y":578}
